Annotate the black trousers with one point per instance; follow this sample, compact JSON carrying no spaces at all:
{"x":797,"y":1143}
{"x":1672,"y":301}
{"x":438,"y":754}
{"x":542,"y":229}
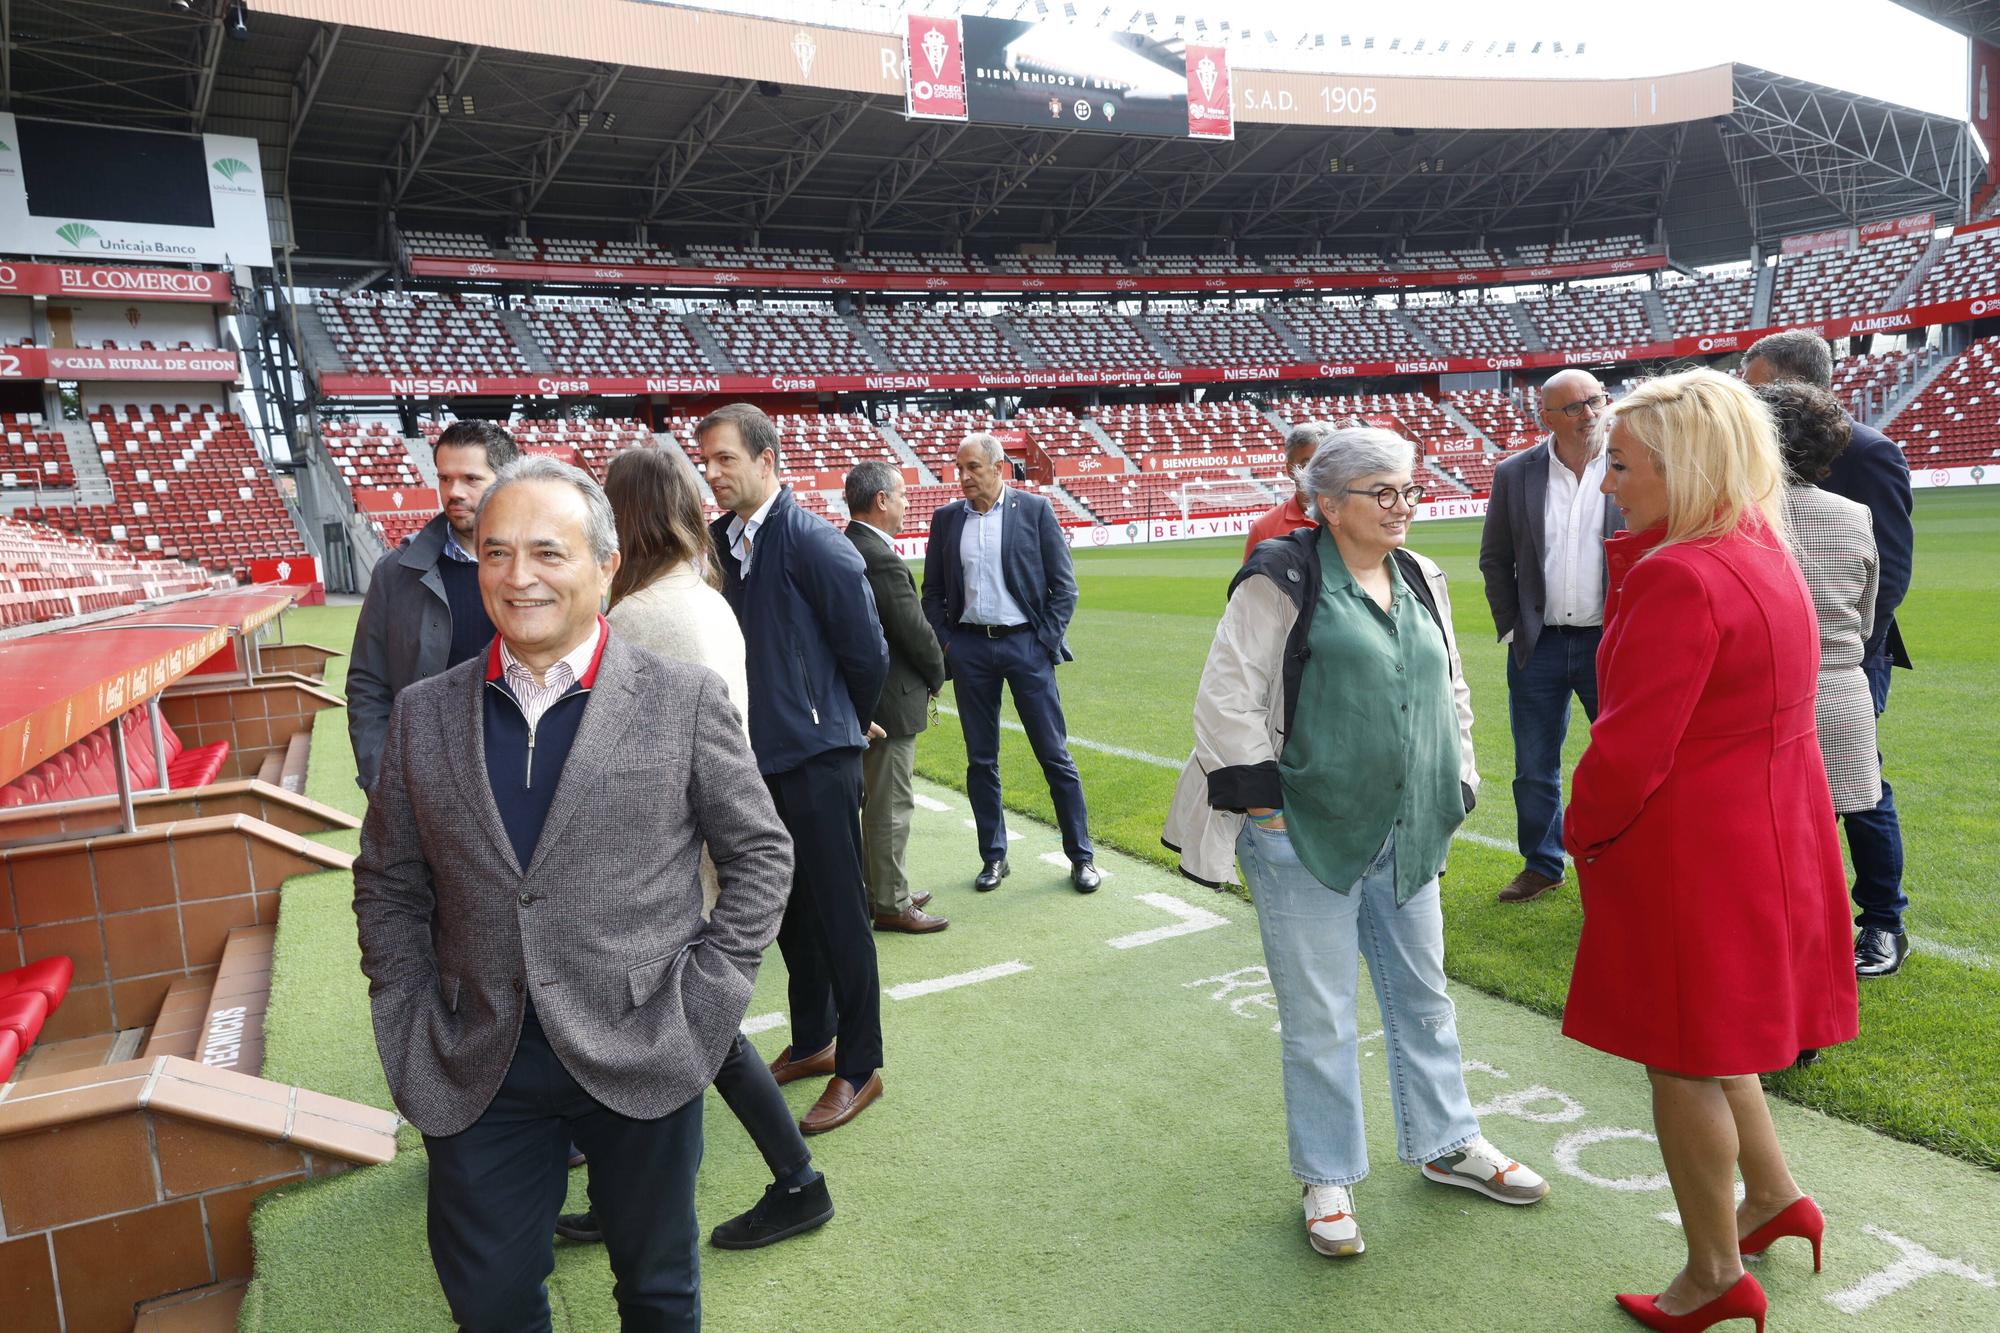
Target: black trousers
{"x":828,"y":934}
{"x":753,"y":1096}
{"x":496,"y":1187}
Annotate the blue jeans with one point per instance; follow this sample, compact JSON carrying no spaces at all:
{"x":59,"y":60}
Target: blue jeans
{"x":979,"y":667}
{"x":1313,"y":939}
{"x":1875,"y":837}
{"x":1564,"y":663}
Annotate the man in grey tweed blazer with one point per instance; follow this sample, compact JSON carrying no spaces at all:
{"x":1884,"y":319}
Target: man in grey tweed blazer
{"x":529,"y":900}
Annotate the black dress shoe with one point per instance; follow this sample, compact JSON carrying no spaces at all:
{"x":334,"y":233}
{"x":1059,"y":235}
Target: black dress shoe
{"x":1086,"y":876}
{"x":990,"y":876}
{"x":579,"y":1227}
{"x":779,"y":1215}
{"x":1878,"y":952}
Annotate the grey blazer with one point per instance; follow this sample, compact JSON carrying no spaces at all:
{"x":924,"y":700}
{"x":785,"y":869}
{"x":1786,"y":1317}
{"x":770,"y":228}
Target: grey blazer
{"x":639,"y":996}
{"x":1835,"y":542}
{"x":1514,"y":542}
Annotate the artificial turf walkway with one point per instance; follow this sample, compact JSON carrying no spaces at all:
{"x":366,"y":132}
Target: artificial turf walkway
{"x":1097,"y":1141}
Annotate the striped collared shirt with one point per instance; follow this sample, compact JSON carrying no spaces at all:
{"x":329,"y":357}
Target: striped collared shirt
{"x":535,"y":699}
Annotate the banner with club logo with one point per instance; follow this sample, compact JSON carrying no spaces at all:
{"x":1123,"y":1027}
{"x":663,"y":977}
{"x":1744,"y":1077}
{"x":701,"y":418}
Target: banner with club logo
{"x":1209,"y":98}
{"x":934,"y":61}
{"x":114,"y":196}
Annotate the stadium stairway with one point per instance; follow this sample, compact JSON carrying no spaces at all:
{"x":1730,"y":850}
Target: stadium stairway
{"x":869,"y":342}
{"x":1023,"y":348}
{"x":1531,"y":337}
{"x":524,"y":338}
{"x":1656,"y":316}
{"x":666,"y":439}
{"x":1416,"y":332}
{"x":1157,"y":341}
{"x":93,"y":484}
{"x":420,"y":459}
{"x":1913,"y":281}
{"x":1464,"y":423}
{"x":316,"y":350}
{"x":1076,"y":507}
{"x":1279,"y":330}
{"x":1277,"y":420}
{"x":704,"y":338}
{"x":1760,"y":304}
{"x":1892,"y":407}
{"x":1108,"y":445}
{"x":901,"y":448}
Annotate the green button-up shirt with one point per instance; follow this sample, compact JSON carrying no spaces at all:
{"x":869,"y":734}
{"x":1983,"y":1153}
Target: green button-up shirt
{"x":1374,"y":740}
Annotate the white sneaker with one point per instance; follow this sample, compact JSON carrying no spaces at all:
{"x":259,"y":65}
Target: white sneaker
{"x":1481,"y":1167}
{"x":1330,"y":1224}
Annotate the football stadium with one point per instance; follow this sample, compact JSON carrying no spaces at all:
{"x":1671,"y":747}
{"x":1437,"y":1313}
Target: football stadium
{"x":334,"y":332}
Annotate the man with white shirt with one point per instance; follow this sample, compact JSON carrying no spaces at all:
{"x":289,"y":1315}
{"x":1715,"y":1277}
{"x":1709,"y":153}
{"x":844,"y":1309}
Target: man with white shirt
{"x":1542,"y":555}
{"x":814,"y":660}
{"x":876,"y":498}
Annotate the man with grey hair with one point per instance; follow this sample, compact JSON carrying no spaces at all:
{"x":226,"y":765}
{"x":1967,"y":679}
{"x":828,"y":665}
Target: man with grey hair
{"x":1294,"y":513}
{"x":876,"y":498}
{"x":999,"y":591}
{"x":529,"y":905}
{"x":1871,"y":471}
{"x":1542,"y":555}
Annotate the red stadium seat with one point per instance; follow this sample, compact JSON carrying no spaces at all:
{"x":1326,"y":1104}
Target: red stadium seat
{"x":10,"y":1053}
{"x":197,"y":767}
{"x":23,"y":1014}
{"x":47,"y":977}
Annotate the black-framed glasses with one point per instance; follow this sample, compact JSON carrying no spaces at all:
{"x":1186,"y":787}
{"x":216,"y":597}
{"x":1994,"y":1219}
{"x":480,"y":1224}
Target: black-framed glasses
{"x":1597,"y":402}
{"x":1386,"y":496}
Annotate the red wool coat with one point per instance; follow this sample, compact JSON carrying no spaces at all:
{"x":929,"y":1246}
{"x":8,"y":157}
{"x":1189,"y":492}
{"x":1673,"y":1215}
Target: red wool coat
{"x":1715,"y":935}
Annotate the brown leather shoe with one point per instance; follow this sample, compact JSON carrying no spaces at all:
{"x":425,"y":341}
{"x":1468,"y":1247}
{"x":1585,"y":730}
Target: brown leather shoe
{"x":921,"y":899}
{"x":1528,"y":886}
{"x":912,"y":920}
{"x":787,"y":1068}
{"x":840,"y":1103}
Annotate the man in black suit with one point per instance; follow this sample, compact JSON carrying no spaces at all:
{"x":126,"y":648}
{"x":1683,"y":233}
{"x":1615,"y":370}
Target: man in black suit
{"x":1542,"y":555}
{"x":1871,"y":471}
{"x":876,"y":497}
{"x":999,"y":591}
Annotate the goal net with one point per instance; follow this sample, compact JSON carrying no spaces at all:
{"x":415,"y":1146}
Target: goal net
{"x":1229,"y":495}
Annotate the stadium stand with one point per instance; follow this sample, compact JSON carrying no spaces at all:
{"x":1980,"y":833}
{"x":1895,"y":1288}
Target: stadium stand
{"x":591,"y":445}
{"x":1093,"y":265}
{"x":393,"y":335}
{"x":1206,"y":336}
{"x":913,"y":261}
{"x":1864,"y":383}
{"x":187,"y":485}
{"x":789,"y":339}
{"x":1956,"y":419}
{"x":615,"y":338}
{"x":923,"y":337}
{"x":560,"y":250}
{"x":1583,"y":252}
{"x":1197,"y":264}
{"x":761,"y":256}
{"x":1584,"y":317}
{"x":935,"y":436}
{"x":1470,"y":469}
{"x":1499,"y":415}
{"x":1824,"y":283}
{"x":32,"y":455}
{"x":1468,"y":328}
{"x":1349,"y":329}
{"x":47,"y":575}
{"x":369,"y":455}
{"x":1410,"y":414}
{"x":1708,"y":302}
{"x":1188,"y":431}
{"x":1088,"y":339}
{"x":1969,"y":266}
{"x":448,"y":244}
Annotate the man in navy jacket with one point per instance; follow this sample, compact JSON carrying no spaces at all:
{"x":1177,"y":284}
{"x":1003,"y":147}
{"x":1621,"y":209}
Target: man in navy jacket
{"x":999,"y":590}
{"x":816,"y":661}
{"x":1871,"y":471}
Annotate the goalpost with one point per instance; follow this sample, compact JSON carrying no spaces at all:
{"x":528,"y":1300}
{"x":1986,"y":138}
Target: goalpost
{"x":1209,"y":495}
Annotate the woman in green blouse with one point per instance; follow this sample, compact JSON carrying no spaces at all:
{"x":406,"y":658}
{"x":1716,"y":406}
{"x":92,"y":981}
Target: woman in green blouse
{"x":1334,"y":729}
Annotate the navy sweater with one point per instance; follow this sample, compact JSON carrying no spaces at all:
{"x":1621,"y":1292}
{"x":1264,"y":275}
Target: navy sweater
{"x":522,"y":794}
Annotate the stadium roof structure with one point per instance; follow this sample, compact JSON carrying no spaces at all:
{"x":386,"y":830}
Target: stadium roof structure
{"x":362,"y":120}
{"x":1974,"y":18}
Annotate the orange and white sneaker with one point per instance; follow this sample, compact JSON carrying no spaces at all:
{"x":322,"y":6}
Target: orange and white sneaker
{"x":1330,"y":1224}
{"x":1484,"y":1169}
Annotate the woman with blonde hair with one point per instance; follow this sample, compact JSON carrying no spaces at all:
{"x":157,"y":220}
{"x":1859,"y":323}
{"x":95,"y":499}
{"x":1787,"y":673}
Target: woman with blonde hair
{"x":1715,"y":944}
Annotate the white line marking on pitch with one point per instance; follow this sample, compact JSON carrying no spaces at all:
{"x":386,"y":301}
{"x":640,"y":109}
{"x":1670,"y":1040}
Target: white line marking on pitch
{"x":929,"y":802}
{"x":1192,"y":919}
{"x":763,"y":1023}
{"x":910,"y":990}
{"x":1956,"y":953}
{"x":1013,"y":835}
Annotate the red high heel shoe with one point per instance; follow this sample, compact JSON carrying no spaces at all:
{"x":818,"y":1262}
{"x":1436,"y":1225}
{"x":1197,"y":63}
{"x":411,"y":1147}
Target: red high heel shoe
{"x":1745,"y":1300}
{"x":1801,"y":1217}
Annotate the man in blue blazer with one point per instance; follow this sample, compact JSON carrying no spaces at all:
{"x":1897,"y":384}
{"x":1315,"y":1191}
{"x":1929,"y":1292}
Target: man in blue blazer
{"x":814,"y":661}
{"x":1871,"y":471}
{"x":999,"y":591}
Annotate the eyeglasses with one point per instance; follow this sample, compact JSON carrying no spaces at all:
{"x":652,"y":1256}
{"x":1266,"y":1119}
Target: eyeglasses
{"x":1386,"y":496}
{"x":1595,"y":403}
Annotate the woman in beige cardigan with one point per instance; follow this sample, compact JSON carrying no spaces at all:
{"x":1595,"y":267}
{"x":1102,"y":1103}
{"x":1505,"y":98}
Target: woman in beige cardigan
{"x":663,"y":599}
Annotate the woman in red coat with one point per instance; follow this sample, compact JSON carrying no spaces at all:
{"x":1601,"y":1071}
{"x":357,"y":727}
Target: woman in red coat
{"x":1715,"y":944}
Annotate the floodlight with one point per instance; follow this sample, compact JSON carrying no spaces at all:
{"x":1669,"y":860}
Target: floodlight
{"x":238,"y":25}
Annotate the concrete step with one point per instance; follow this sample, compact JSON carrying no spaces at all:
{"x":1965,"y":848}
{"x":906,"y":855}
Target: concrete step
{"x":869,"y":342}
{"x":705,"y":339}
{"x":901,"y":448}
{"x":211,"y":1309}
{"x":177,"y":1030}
{"x":1157,"y":340}
{"x":93,"y":483}
{"x":292,"y":771}
{"x":232,"y":1031}
{"x":1906,"y":290}
{"x":1109,"y":445}
{"x":1417,"y":334}
{"x":1760,"y":304}
{"x":1531,"y":337}
{"x":1284,"y":334}
{"x":272,"y":770}
{"x":1019,"y":342}
{"x":524,"y":337}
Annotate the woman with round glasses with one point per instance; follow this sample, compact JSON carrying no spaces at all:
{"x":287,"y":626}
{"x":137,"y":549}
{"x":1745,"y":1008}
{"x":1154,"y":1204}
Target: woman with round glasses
{"x":1333,"y":759}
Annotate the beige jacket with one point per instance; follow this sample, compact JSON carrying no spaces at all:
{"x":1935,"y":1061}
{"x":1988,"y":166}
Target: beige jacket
{"x":684,"y":620}
{"x":1239,"y":714}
